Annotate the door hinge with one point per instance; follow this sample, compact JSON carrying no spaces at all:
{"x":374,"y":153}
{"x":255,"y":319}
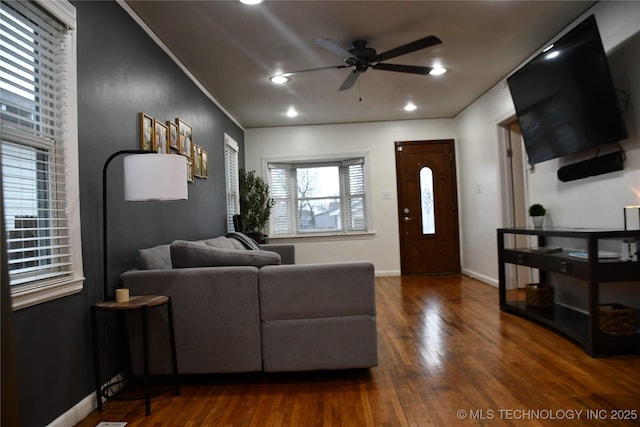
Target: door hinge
{"x":509,"y":152}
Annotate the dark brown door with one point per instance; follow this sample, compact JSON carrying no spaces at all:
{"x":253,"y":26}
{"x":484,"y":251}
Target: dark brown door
{"x":427,"y":207}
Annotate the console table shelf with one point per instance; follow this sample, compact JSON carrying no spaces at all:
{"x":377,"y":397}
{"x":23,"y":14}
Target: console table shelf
{"x":582,"y":327}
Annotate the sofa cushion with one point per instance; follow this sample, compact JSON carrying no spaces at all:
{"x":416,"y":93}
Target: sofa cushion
{"x":186,"y":254}
{"x":156,"y":258}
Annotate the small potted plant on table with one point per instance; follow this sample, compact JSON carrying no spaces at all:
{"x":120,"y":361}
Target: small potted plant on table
{"x":537,"y":213}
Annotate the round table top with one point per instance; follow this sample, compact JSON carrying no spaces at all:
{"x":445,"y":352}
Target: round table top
{"x":134,"y":303}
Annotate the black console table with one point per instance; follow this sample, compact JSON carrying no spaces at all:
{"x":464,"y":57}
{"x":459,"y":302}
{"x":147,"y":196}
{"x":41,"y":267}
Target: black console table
{"x":592,"y":269}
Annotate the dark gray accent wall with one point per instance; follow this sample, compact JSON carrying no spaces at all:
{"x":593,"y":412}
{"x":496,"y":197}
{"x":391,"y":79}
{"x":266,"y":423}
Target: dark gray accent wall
{"x":121,"y":72}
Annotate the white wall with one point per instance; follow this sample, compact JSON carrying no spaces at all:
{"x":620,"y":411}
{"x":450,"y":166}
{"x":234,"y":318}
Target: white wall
{"x":479,"y":183}
{"x":592,"y":202}
{"x":377,"y":139}
{"x":598,"y":201}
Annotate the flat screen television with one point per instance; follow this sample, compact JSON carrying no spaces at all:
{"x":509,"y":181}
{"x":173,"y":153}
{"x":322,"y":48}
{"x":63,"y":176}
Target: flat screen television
{"x":565,"y":99}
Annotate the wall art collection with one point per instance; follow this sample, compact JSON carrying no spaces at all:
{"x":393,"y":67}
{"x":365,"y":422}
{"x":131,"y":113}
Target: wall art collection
{"x":174,"y":138}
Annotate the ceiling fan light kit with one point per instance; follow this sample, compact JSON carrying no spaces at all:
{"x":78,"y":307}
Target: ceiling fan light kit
{"x":361,"y":57}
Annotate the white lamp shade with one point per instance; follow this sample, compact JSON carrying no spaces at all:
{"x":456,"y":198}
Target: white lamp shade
{"x":155,"y":177}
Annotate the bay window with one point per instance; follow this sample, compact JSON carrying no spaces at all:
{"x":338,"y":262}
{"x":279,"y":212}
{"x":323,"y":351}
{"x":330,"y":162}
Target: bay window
{"x":318,"y":197}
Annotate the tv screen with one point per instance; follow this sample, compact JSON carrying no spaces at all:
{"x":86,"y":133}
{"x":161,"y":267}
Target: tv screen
{"x":565,"y":99}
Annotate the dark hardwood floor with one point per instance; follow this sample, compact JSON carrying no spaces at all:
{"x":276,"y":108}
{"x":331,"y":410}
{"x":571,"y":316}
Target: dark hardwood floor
{"x":447,"y":356}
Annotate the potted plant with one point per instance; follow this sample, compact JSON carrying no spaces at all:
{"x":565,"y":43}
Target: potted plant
{"x":255,"y":204}
{"x":537,"y":213}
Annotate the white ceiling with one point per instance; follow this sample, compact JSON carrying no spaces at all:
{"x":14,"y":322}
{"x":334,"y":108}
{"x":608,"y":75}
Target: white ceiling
{"x":232,"y":49}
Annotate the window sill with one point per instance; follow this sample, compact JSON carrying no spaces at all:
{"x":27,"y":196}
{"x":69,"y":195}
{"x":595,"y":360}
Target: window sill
{"x":322,"y":236}
{"x":29,"y":297}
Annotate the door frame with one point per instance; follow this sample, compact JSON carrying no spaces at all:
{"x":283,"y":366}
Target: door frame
{"x":514,"y":216}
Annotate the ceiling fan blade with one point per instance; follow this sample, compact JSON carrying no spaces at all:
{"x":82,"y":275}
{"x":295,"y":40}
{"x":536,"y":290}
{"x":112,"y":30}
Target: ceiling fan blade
{"x":412,"y":69}
{"x":331,"y":67}
{"x":407,"y":48}
{"x":349,"y":81}
{"x":334,"y":47}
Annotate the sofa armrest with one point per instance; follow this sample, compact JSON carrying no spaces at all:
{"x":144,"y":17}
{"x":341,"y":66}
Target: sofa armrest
{"x":216,"y":316}
{"x":316,"y":290}
{"x":287,"y":251}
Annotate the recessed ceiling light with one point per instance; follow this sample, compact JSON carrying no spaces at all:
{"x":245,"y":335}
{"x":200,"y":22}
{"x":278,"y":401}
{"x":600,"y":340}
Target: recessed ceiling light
{"x":251,"y":1}
{"x":279,"y":79}
{"x":552,"y":54}
{"x":410,"y":106}
{"x":438,"y":71}
{"x":291,"y":112}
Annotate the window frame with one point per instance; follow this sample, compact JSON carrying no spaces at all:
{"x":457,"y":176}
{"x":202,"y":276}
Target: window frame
{"x":36,"y":292}
{"x":322,"y":160}
{"x":231,"y":174}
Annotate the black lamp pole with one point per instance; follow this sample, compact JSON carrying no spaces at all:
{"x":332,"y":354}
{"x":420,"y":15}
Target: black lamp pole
{"x":104,"y":215}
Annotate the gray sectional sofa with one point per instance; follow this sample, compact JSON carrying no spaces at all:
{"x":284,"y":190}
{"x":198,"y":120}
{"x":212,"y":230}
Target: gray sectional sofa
{"x":245,"y":309}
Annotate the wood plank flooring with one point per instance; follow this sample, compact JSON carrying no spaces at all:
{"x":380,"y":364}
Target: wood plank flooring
{"x":447,"y":356}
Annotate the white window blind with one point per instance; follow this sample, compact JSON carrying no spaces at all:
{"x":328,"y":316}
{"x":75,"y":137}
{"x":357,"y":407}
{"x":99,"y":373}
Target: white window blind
{"x":325,"y":197}
{"x":38,"y":145}
{"x":231,"y":179}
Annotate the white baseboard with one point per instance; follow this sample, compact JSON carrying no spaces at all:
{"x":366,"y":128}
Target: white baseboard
{"x":82,"y":409}
{"x":481,"y":277}
{"x":387,"y":273}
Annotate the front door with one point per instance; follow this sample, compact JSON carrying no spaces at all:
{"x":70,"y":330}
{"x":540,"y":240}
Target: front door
{"x":427,"y":207}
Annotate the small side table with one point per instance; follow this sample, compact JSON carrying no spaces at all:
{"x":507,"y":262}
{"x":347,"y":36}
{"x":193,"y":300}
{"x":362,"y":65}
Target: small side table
{"x":141,"y":302}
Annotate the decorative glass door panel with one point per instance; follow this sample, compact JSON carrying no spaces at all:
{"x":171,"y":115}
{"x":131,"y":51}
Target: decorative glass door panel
{"x":426,"y":201}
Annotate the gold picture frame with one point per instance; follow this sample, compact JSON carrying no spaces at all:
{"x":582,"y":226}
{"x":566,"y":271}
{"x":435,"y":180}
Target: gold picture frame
{"x":173,"y":136}
{"x":160,"y":135}
{"x":146,"y":132}
{"x":185,"y":138}
{"x":190,"y":174}
{"x":197,"y":161}
{"x":205,"y":164}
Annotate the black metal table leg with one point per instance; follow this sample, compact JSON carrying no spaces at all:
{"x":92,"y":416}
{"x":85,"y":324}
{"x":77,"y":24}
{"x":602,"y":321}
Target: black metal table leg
{"x":174,"y":357}
{"x":145,"y":352}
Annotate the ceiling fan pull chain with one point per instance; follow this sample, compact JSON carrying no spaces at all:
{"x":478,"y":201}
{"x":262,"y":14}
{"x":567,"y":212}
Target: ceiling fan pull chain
{"x":359,"y":91}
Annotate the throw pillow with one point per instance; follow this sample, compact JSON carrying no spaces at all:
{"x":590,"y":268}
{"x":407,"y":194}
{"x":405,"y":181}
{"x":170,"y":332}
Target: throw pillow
{"x":186,"y":254}
{"x":156,"y":258}
{"x":246,"y":241}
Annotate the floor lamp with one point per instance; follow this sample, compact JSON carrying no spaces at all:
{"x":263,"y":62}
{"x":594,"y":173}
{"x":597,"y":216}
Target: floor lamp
{"x":148,"y":177}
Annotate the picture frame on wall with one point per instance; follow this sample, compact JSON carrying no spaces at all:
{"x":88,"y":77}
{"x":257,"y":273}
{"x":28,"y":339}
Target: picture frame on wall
{"x":190,"y":171}
{"x":160,"y":135}
{"x":185,"y":138}
{"x":197,"y":160}
{"x":205,"y":164}
{"x":172,"y":134}
{"x":146,"y":132}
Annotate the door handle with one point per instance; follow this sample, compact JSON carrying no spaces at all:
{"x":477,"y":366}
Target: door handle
{"x":407,"y":219}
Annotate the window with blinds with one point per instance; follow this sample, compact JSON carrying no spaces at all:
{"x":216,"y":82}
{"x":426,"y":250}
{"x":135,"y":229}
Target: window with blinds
{"x":325,"y":197}
{"x":231,"y":180}
{"x":37,"y":145}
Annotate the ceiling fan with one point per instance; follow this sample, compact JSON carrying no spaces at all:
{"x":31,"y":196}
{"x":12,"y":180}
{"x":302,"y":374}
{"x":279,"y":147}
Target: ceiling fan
{"x":362,"y":57}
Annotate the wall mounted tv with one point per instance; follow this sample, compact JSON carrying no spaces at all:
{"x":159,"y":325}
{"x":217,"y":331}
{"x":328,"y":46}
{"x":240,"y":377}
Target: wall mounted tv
{"x":565,"y":99}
